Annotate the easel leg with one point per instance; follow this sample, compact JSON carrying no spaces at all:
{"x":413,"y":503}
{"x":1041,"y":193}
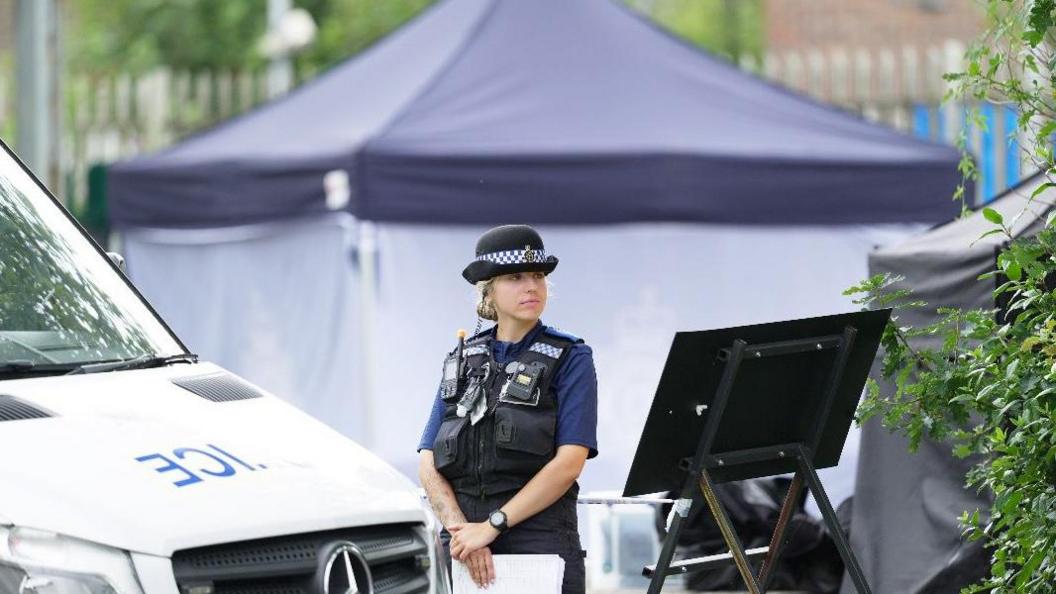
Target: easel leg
{"x":728,"y":533}
{"x":667,"y":552}
{"x":778,"y":540}
{"x":806,"y":468}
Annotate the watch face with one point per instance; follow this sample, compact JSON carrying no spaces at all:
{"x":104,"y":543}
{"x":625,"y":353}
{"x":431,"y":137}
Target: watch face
{"x":497,"y":518}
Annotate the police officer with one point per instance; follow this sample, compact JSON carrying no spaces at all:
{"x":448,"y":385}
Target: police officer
{"x":514,"y":420}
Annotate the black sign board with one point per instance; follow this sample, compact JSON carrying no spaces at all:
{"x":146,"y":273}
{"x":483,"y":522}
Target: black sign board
{"x":750,"y":402}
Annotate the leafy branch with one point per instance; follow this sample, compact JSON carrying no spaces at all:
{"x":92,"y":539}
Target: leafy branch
{"x":984,"y":381}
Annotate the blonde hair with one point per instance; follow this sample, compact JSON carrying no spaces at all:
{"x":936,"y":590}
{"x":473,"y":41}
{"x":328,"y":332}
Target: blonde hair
{"x":486,"y":307}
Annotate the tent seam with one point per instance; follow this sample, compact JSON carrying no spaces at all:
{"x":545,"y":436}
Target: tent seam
{"x":437,"y":76}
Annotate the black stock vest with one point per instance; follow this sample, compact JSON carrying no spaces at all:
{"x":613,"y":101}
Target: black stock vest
{"x":515,"y":438}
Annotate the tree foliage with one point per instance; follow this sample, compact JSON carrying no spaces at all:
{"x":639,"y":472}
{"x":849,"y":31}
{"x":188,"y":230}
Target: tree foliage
{"x":990,"y":388}
{"x":731,"y":28}
{"x":137,"y":35}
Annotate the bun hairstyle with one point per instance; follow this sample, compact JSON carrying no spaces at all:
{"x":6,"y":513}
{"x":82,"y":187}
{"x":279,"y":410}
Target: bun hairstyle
{"x":485,"y":306}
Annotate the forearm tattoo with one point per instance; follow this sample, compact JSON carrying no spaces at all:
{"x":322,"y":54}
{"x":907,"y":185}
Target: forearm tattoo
{"x":442,"y":499}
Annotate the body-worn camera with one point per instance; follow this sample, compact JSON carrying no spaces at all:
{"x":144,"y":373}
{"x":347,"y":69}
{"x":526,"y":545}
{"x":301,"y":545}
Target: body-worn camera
{"x":522,"y":383}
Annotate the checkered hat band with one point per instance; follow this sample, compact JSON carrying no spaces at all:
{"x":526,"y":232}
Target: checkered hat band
{"x":514,"y":256}
{"x":474,"y":350}
{"x":546,"y":349}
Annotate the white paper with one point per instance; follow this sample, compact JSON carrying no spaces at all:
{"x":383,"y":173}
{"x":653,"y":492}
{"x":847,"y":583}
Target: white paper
{"x":514,"y":574}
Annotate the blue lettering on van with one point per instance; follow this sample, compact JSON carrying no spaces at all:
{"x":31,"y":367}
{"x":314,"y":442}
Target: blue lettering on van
{"x":225,"y":468}
{"x":197,"y":464}
{"x":189,"y":478}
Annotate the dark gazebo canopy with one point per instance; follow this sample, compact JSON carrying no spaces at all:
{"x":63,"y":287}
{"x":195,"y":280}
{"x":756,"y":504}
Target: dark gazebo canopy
{"x":548,"y":111}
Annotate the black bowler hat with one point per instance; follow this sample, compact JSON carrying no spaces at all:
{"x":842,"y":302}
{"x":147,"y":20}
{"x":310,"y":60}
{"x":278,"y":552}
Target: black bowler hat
{"x":506,"y":249}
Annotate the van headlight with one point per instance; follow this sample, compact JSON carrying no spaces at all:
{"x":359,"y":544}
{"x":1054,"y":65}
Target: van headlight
{"x":438,"y":554}
{"x":440,"y":573}
{"x":41,"y":562}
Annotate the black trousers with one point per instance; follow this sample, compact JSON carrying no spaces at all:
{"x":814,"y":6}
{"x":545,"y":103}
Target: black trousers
{"x":553,"y":531}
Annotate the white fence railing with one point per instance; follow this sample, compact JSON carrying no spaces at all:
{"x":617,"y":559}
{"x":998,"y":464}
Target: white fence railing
{"x":882,"y":84}
{"x":108,"y":117}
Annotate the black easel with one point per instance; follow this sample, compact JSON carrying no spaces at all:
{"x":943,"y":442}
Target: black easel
{"x":750,"y":402}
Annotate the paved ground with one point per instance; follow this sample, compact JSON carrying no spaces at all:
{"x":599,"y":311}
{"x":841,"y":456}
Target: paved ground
{"x":666,"y":590}
{"x":671,"y":587}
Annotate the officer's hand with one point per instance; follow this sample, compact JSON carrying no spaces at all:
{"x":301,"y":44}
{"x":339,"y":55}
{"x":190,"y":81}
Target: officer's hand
{"x":469,"y":537}
{"x":481,"y":567}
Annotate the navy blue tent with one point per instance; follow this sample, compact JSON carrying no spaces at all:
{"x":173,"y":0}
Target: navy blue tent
{"x":548,"y":111}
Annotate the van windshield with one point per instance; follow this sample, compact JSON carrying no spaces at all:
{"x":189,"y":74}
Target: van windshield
{"x":61,"y":302}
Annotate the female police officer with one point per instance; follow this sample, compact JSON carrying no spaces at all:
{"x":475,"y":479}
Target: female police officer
{"x":514,"y":420}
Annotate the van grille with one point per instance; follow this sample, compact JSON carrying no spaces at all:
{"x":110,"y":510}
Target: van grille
{"x":396,"y":555}
{"x":218,"y":387}
{"x":13,"y":409}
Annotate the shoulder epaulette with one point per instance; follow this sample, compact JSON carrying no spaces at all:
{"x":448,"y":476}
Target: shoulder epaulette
{"x":478,"y":344}
{"x":473,"y":350}
{"x":562,"y":334}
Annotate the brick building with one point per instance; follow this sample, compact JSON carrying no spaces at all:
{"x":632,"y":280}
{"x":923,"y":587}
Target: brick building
{"x":822,"y":24}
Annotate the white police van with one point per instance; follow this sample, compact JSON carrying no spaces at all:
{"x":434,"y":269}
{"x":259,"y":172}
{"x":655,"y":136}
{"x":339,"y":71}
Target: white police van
{"x":128,"y":467}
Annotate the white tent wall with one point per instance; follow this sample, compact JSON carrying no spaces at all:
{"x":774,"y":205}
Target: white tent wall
{"x":625,"y":289}
{"x":276,"y":304}
{"x":279,"y":305}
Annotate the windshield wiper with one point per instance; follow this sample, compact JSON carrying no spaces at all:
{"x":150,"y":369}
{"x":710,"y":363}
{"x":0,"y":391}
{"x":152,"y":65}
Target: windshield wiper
{"x":140,"y":362}
{"x":19,"y":368}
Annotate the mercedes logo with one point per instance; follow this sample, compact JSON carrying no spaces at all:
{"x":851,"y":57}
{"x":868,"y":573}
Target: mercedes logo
{"x":345,"y":570}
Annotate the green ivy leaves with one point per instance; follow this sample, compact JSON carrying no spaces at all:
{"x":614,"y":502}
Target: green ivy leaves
{"x":988,"y":388}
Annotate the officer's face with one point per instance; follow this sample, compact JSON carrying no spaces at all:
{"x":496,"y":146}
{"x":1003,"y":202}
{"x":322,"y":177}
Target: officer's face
{"x":521,"y":295}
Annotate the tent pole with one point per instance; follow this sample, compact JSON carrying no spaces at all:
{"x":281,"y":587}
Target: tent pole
{"x":368,"y":277}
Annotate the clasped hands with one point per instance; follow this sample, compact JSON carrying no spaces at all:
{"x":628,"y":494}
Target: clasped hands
{"x":469,"y":544}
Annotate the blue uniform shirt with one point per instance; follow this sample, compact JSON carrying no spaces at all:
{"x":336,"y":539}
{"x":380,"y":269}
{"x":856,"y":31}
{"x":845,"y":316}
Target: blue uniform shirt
{"x":575,"y":387}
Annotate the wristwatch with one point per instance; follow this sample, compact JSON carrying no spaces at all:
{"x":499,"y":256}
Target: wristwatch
{"x":497,"y":519}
